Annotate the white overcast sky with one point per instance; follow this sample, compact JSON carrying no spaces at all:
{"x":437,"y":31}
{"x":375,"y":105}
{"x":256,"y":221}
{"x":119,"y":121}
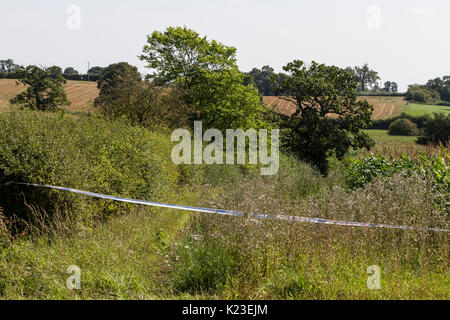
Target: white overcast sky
{"x":407,"y":42}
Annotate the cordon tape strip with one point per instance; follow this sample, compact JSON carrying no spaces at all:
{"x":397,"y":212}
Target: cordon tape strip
{"x":229,"y":212}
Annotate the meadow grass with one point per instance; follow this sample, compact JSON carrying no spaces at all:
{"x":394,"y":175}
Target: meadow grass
{"x":382,"y":136}
{"x":119,"y":259}
{"x":423,"y":109}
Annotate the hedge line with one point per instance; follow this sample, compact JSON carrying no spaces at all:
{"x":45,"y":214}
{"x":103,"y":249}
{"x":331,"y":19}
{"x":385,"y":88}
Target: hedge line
{"x":383,"y":124}
{"x":78,"y":77}
{"x":382,"y":94}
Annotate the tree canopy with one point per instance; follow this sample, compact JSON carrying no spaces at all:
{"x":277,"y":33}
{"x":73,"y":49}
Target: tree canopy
{"x":180,"y":56}
{"x":115,"y":77}
{"x":206,"y":71}
{"x":44,"y":88}
{"x":7,"y":66}
{"x":328,"y":117}
{"x":390,"y":86}
{"x":95,"y":71}
{"x":70,"y":71}
{"x":442,"y":86}
{"x":266,"y":80}
{"x":364,"y":76}
{"x":423,"y":94}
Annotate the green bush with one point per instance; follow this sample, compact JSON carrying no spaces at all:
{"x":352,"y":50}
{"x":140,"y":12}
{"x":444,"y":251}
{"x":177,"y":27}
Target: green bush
{"x":437,"y":130}
{"x":89,"y":153}
{"x":403,"y":127}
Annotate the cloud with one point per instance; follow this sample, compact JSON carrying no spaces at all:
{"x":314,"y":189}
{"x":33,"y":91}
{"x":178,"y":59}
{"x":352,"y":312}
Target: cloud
{"x":422,"y":12}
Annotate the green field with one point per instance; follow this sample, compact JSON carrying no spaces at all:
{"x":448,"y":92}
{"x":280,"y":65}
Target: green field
{"x":422,"y":109}
{"x":382,"y":136}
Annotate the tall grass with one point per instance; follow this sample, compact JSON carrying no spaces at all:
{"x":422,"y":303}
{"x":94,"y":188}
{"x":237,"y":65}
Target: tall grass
{"x":288,"y":260}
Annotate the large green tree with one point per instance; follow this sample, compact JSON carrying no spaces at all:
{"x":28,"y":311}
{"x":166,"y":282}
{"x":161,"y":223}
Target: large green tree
{"x":364,"y":76}
{"x":115,"y":78}
{"x":44,"y":88}
{"x":390,"y":86}
{"x":206,"y":71}
{"x":328,"y":117}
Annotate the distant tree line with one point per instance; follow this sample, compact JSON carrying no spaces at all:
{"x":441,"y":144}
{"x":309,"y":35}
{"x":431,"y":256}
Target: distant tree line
{"x":93,"y":74}
{"x":266,"y":80}
{"x":8,"y":70}
{"x":367,"y":80}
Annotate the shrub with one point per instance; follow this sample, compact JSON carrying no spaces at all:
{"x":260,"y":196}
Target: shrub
{"x":403,"y":127}
{"x":89,"y":153}
{"x":437,"y":130}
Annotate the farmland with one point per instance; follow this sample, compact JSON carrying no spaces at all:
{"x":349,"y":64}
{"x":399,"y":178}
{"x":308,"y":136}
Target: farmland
{"x":384,"y":107}
{"x":80,"y":93}
{"x":128,"y":251}
{"x":422,"y":109}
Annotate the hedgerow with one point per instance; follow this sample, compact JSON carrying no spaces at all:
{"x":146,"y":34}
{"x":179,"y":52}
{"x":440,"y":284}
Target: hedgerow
{"x":88,"y":153}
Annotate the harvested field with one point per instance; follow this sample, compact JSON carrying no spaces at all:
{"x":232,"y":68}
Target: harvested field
{"x":80,"y":93}
{"x":384,"y":107}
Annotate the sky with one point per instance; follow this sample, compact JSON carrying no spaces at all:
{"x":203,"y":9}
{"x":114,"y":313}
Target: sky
{"x":406,"y":41}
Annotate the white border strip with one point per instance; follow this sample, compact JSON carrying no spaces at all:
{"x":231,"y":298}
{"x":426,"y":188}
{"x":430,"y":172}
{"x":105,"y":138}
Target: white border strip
{"x":229,"y":212}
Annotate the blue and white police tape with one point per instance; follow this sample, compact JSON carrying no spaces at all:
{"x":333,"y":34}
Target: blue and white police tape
{"x":231,"y":213}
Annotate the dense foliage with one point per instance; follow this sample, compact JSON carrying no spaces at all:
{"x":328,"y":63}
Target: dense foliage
{"x":266,"y":80}
{"x":436,"y":168}
{"x":403,"y":127}
{"x":90,"y":153}
{"x":422,"y":94}
{"x":148,"y":105}
{"x":320,"y":91}
{"x":365,"y":77}
{"x":44,"y":89}
{"x":207,"y":74}
{"x":437,"y":130}
{"x":442,"y":86}
{"x":7,"y":68}
{"x":383,"y":124}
